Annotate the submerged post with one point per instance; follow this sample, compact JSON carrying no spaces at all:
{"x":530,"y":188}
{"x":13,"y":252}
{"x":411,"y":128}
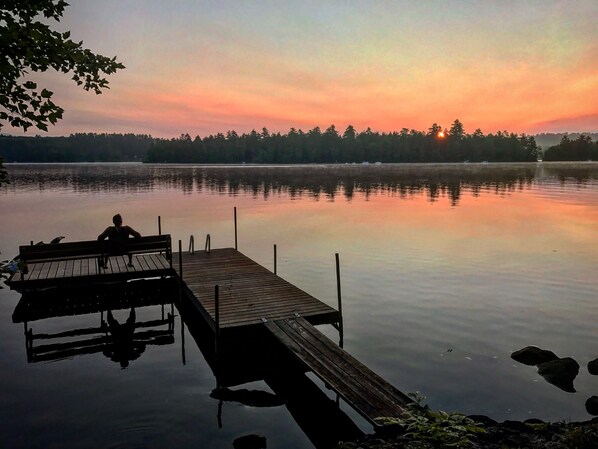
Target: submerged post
{"x":275,"y":258}
{"x":217,"y":315}
{"x":181,"y":260}
{"x":159,"y":225}
{"x":236,"y":246}
{"x":340,"y":302}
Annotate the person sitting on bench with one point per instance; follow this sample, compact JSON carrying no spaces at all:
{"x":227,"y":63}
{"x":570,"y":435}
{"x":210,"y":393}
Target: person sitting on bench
{"x":118,"y":236}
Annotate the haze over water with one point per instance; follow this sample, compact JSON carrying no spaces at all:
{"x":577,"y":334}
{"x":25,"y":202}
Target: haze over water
{"x":446,"y":269}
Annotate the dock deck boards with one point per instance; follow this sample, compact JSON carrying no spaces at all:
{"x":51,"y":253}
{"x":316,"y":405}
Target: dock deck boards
{"x":61,"y":272}
{"x":248,"y":292}
{"x":363,"y":389}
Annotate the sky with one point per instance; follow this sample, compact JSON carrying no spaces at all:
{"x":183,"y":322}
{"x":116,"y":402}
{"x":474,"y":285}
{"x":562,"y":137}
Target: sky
{"x":203,"y":67}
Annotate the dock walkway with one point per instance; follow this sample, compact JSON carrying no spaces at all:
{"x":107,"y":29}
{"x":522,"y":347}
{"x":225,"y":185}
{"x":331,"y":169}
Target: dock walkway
{"x":248,"y":292}
{"x":85,"y":270}
{"x":363,"y":389}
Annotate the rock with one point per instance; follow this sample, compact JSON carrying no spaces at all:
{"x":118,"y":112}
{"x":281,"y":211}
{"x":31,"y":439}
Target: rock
{"x":593,"y":367}
{"x":483,"y":419}
{"x":532,"y":355}
{"x":251,"y":441}
{"x":560,"y":373}
{"x":592,"y":405}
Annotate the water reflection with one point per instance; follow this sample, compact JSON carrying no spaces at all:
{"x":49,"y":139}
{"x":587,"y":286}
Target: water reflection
{"x":121,"y":343}
{"x":314,"y":181}
{"x":249,"y":354}
{"x":242,"y":357}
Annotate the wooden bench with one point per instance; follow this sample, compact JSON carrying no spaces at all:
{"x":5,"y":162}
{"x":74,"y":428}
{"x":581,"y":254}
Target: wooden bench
{"x":96,"y":249}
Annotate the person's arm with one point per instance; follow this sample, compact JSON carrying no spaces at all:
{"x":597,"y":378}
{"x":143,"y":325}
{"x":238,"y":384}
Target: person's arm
{"x":133,"y":232}
{"x":104,"y":234}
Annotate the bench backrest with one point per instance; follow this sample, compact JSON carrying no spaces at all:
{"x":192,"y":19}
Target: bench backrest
{"x":95,"y":248}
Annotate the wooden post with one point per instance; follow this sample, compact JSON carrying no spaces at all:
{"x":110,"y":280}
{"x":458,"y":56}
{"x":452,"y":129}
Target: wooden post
{"x":217,"y":316}
{"x":159,"y":225}
{"x":275,"y":258}
{"x":183,"y":342}
{"x":340,"y":302}
{"x":236,"y":246}
{"x":181,"y":260}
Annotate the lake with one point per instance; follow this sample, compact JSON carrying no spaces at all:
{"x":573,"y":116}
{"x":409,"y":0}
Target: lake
{"x":446,"y":270}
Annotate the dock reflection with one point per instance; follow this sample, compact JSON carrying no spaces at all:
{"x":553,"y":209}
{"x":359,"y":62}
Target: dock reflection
{"x":250,"y":354}
{"x":121,"y":343}
{"x":244,"y":356}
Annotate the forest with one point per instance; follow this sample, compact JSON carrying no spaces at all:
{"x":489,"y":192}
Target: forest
{"x":296,"y":146}
{"x":580,"y":149}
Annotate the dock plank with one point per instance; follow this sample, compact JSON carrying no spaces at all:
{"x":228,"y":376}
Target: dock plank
{"x":363,"y":389}
{"x":248,"y":291}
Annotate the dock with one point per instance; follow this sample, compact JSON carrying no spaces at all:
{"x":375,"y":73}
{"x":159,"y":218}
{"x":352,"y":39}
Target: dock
{"x":232,"y":292}
{"x":249,"y":293}
{"x":236,"y":297}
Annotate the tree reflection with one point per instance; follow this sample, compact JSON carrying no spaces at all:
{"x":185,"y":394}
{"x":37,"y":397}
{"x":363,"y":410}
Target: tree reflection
{"x":434,"y":181}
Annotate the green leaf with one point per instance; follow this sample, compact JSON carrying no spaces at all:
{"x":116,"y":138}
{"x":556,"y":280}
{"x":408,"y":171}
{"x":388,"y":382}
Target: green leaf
{"x":46,"y":93}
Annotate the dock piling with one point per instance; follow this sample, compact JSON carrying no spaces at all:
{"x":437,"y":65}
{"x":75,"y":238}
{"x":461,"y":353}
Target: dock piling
{"x":339,"y":296}
{"x":159,"y":225}
{"x":275,"y":258}
{"x":217,"y":315}
{"x":236,"y":245}
{"x":181,"y":259}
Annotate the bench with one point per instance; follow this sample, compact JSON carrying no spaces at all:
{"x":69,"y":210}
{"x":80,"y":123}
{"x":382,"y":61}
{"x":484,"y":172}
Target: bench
{"x":96,"y":249}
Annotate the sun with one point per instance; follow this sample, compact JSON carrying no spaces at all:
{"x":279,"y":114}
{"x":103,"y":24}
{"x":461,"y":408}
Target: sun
{"x":441,"y":134}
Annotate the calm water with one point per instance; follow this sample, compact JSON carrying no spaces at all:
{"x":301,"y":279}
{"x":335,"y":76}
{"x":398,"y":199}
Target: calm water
{"x":446,"y":270}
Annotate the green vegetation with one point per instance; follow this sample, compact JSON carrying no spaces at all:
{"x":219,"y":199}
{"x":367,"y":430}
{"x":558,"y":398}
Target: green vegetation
{"x":76,"y":148}
{"x":294,"y":147}
{"x":30,"y":45}
{"x":580,"y":149}
{"x":330,"y":146}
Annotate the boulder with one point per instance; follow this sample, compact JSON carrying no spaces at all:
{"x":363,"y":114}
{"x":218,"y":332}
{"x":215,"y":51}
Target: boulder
{"x":560,"y":373}
{"x":250,"y":441}
{"x":593,"y":367}
{"x":592,"y":405}
{"x":532,"y":355}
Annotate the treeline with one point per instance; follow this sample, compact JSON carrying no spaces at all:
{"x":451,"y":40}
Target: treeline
{"x":330,"y":146}
{"x":580,"y":149}
{"x":83,"y":147}
{"x":547,"y":140}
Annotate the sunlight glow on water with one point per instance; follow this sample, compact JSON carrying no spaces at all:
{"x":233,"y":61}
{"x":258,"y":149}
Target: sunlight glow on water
{"x":445,"y":271}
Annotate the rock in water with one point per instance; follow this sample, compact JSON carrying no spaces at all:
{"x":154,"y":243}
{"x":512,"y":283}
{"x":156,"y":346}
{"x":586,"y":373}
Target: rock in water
{"x":592,"y":405}
{"x":532,"y":355}
{"x":593,"y":367}
{"x":251,"y":441}
{"x":560,"y":373}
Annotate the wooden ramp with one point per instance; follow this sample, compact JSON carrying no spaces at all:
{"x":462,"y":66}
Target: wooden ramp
{"x":86,"y":270}
{"x":363,"y":389}
{"x":248,"y":292}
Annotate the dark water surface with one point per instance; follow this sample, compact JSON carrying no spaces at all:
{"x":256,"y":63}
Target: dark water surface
{"x":446,"y":270}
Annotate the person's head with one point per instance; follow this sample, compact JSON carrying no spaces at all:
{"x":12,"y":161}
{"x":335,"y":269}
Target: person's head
{"x":117,"y":220}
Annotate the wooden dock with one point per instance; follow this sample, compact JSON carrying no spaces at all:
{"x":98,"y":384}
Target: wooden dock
{"x":363,"y":389}
{"x":234,"y":295}
{"x":251,"y":295}
{"x":85,"y":270}
{"x":248,"y":292}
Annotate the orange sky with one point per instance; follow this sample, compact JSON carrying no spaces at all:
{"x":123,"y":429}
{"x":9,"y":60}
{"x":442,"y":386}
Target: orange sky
{"x":207,"y":67}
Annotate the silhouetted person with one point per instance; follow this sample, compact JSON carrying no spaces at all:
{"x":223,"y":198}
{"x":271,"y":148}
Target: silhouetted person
{"x":124,"y":348}
{"x":118,"y":236}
